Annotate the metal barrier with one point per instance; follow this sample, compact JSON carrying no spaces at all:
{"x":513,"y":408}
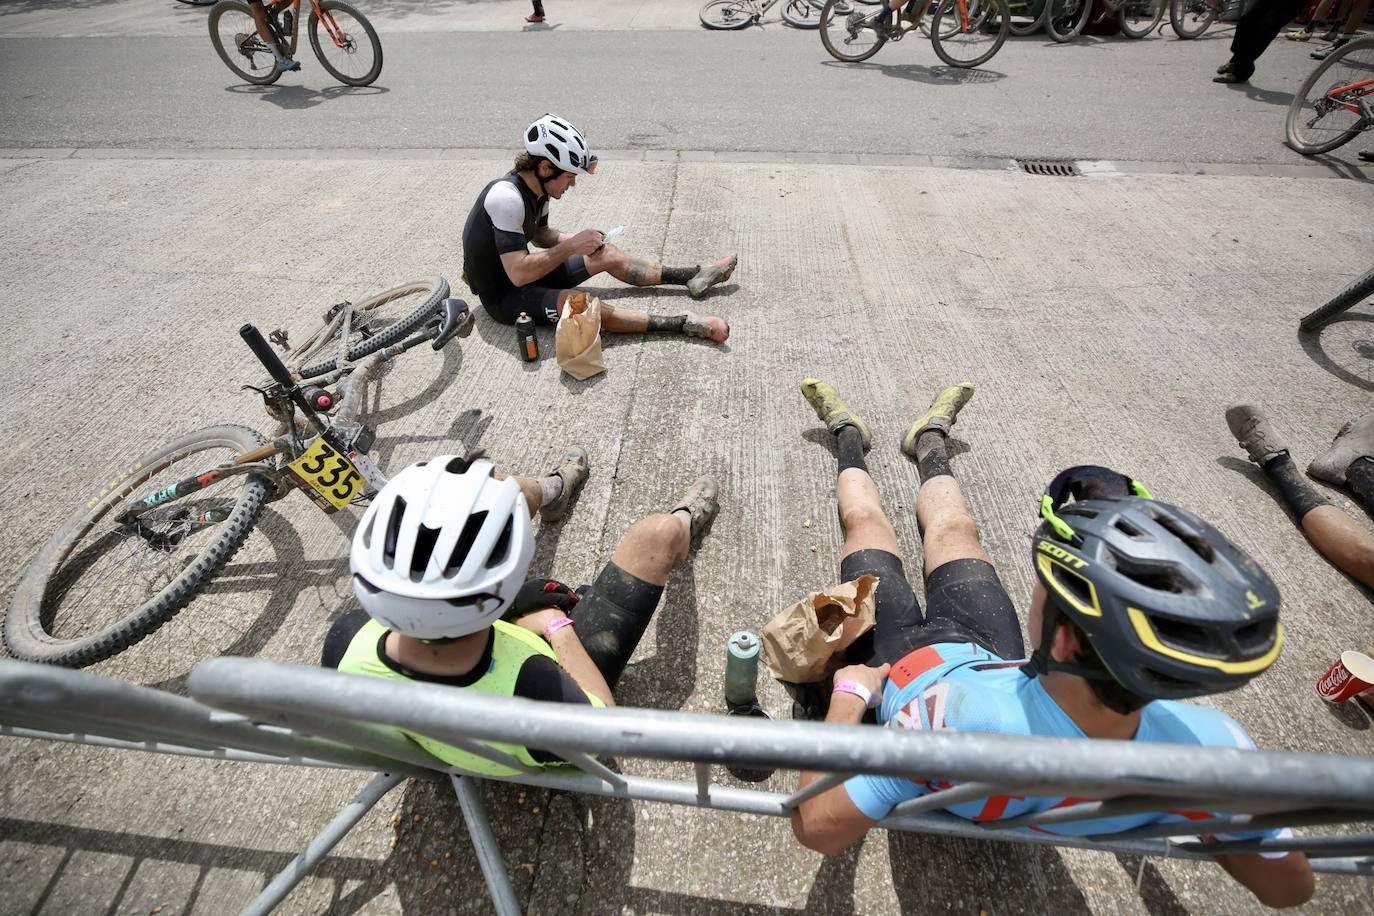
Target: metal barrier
{"x":268,"y":712}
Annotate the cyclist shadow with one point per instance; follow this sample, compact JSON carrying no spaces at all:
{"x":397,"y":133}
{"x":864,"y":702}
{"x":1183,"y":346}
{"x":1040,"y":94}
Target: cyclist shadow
{"x":933,"y":76}
{"x":295,"y":97}
{"x":1344,"y":366}
{"x":1267,"y":96}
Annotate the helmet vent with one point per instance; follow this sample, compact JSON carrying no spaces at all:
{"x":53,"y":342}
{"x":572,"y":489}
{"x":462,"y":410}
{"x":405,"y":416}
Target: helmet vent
{"x":393,"y":532}
{"x":1126,"y":528}
{"x":1182,"y":635}
{"x":1255,"y":636}
{"x":457,"y":465}
{"x":501,"y":550}
{"x":471,"y":528}
{"x":425,"y":539}
{"x":1191,"y":539}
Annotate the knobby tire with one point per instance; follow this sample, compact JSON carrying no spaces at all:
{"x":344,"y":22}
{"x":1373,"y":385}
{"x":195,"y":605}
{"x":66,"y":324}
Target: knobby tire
{"x":25,"y":628}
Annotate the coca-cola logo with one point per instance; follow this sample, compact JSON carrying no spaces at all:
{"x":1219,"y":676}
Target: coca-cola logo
{"x":1333,"y":680}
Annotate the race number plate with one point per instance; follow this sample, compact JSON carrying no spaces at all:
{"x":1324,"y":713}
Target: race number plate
{"x":325,"y":472}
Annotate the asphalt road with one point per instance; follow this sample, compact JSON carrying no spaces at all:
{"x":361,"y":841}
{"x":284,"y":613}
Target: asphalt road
{"x":763,"y":90}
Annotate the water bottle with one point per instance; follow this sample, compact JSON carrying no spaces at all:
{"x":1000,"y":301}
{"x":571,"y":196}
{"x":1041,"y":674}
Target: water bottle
{"x":524,"y":335}
{"x":742,"y":669}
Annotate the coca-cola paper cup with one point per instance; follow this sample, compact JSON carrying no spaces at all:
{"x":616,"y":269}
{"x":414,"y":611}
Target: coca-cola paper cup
{"x":1353,"y":673}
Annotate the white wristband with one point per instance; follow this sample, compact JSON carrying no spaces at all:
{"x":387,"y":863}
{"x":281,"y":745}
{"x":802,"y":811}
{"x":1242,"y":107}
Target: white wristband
{"x":859,"y":690}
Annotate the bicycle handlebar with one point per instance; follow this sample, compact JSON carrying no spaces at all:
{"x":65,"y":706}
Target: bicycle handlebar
{"x":266,"y":355}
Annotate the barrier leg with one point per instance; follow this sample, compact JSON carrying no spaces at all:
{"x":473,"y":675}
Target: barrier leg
{"x":488,"y":853}
{"x":319,"y":847}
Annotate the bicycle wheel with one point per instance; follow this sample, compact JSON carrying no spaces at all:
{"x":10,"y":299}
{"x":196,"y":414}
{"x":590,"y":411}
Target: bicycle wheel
{"x":379,"y":321}
{"x":846,"y":31}
{"x":198,"y":2}
{"x":1329,"y":108}
{"x":350,"y":50}
{"x":1190,"y":18}
{"x":1064,"y":19}
{"x":967,"y":33}
{"x":235,"y":37}
{"x":1022,"y":17}
{"x":98,"y":586}
{"x":1347,"y":298}
{"x":1138,"y":18}
{"x":802,"y":14}
{"x":727,"y":14}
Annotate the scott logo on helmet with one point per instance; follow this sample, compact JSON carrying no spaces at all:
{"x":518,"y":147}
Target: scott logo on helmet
{"x":1059,"y":553}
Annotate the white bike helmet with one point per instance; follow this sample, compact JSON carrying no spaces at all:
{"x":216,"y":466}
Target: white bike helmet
{"x":442,"y":550}
{"x":559,"y":142}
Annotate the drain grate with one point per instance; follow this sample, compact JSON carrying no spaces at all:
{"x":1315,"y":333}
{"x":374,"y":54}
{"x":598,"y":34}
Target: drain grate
{"x":1052,"y":167}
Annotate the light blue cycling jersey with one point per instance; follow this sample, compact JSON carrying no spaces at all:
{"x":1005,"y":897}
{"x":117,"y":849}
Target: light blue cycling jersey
{"x":964,"y":687}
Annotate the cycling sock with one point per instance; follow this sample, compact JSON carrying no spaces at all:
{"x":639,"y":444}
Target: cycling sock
{"x":932,"y":460}
{"x":1297,"y":494}
{"x":678,"y":276}
{"x":1360,"y":477}
{"x":851,"y":447}
{"x":550,"y":488}
{"x":667,"y":322}
{"x":538,"y":7}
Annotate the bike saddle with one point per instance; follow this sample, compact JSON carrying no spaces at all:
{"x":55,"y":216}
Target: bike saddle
{"x":456,"y":321}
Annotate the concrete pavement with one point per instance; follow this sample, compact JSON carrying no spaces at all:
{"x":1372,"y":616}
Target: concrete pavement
{"x":1106,"y":320}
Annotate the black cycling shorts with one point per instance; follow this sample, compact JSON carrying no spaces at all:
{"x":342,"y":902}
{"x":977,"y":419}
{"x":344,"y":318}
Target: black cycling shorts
{"x":539,"y":300}
{"x":965,"y":602}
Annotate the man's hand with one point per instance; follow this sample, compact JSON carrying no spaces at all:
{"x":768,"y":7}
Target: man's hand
{"x":584,"y":243}
{"x":872,"y":678}
{"x":545,"y":599}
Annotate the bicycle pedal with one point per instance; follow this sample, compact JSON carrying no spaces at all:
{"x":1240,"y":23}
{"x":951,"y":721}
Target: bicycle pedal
{"x":278,"y":337}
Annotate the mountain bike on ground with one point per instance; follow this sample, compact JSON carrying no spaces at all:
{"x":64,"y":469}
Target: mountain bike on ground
{"x":1359,"y":289}
{"x":344,"y":41}
{"x":1336,"y":103}
{"x":162,"y":527}
{"x":964,"y":33}
{"x":736,"y":14}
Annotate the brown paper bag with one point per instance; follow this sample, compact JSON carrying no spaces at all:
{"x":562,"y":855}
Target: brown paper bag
{"x":577,"y":341}
{"x":804,"y":642}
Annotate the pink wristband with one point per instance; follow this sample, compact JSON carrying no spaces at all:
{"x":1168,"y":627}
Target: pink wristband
{"x":859,"y":690}
{"x":553,"y":626}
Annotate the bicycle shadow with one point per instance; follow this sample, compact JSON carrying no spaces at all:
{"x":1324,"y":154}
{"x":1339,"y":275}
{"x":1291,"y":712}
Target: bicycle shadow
{"x":1325,"y":348}
{"x":932,"y":76}
{"x":296,"y":97}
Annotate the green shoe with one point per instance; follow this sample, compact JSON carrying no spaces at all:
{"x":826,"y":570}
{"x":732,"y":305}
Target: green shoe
{"x":941,"y":414}
{"x":1299,"y":35}
{"x":831,"y":410}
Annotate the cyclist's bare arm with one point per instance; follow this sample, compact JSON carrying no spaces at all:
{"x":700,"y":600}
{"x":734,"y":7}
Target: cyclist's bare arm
{"x":830,"y":822}
{"x":1274,"y":882}
{"x":572,"y":657}
{"x":526,"y":267}
{"x":547,"y":237}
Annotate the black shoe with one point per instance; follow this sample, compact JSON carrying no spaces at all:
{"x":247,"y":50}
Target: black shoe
{"x":1235,"y":75}
{"x":1226,"y":68}
{"x":1366,"y":155}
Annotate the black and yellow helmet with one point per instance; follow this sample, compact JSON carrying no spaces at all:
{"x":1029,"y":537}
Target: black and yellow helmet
{"x":1172,"y":607}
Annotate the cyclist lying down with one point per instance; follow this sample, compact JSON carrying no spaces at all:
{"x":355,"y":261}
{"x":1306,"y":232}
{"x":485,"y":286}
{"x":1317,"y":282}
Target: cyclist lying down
{"x":1112,"y":567}
{"x":439,"y":563}
{"x":513,"y":211}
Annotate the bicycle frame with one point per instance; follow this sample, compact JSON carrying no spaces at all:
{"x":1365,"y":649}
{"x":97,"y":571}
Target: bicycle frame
{"x":331,"y":28}
{"x":1357,"y":105}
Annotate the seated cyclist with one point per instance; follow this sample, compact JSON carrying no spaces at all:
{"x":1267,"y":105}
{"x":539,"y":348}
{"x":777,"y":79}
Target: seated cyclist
{"x":512,"y":213}
{"x":439,"y":563}
{"x":260,"y":17}
{"x":1093,"y":671}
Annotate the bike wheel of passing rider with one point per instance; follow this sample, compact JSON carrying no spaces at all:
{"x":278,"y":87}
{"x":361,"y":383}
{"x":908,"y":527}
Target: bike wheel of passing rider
{"x":345,"y":43}
{"x":1360,"y":289}
{"x":99,"y":585}
{"x":967,"y":33}
{"x":1023,"y":18}
{"x":802,"y":14}
{"x":847,"y":32}
{"x":726,"y":14}
{"x":379,"y":321}
{"x":1190,"y":18}
{"x":1328,"y":110}
{"x":1138,"y":18}
{"x":235,"y":37}
{"x":1064,"y":19}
